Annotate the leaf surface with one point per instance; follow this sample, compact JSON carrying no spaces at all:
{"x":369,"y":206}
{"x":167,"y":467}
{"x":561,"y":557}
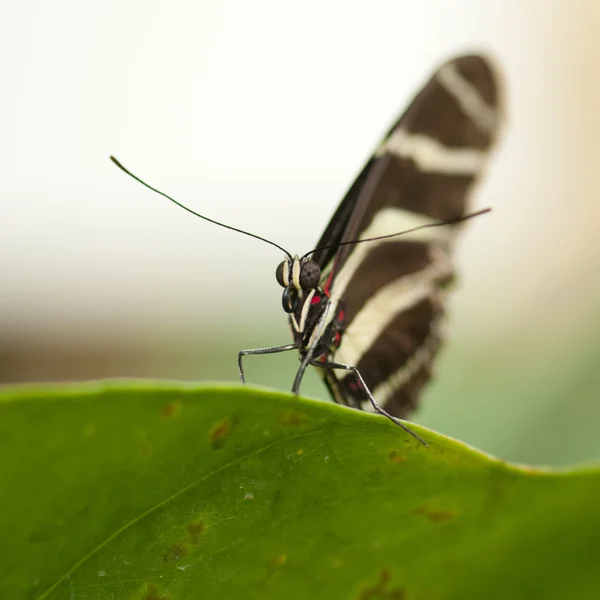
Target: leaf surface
{"x":156,"y":491}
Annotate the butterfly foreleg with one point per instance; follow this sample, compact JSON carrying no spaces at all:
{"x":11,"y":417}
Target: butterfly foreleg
{"x":272,"y":350}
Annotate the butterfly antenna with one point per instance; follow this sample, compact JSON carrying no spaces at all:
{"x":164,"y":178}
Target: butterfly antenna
{"x":258,"y":237}
{"x":418,"y":228}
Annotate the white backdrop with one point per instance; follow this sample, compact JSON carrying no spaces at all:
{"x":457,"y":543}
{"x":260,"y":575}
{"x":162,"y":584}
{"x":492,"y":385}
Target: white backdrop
{"x":260,"y":114}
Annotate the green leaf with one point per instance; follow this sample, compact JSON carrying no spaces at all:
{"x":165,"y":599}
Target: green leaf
{"x":152,"y":492}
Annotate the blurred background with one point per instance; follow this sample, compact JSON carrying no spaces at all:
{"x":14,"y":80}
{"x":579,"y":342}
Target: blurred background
{"x":260,"y":114}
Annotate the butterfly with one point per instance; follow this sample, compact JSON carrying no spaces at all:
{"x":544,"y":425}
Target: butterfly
{"x":366,"y":305}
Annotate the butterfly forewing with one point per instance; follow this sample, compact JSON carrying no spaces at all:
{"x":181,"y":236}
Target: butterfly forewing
{"x":387,"y":295}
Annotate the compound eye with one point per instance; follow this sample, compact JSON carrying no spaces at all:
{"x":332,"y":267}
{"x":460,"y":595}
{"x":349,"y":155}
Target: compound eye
{"x":279,"y":273}
{"x":310,"y":273}
{"x":289,"y":300}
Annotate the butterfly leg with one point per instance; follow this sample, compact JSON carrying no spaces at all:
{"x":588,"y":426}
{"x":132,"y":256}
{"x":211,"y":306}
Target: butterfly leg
{"x":271,"y":350}
{"x":379,"y":409}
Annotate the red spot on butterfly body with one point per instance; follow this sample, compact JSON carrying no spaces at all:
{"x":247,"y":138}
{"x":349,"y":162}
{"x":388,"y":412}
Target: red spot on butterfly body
{"x":315,"y":300}
{"x":355,"y":386}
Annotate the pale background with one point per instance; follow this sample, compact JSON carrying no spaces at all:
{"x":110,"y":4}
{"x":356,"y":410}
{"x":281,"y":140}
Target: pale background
{"x":260,"y":114}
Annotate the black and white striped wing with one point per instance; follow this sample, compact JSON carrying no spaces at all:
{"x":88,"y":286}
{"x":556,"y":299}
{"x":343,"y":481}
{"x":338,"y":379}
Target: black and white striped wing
{"x":388,"y":294}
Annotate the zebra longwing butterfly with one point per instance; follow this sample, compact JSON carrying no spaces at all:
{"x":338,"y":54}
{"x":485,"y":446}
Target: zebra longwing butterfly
{"x":366,"y":306}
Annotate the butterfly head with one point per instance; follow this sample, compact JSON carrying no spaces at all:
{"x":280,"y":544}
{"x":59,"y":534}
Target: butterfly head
{"x":296,"y":276}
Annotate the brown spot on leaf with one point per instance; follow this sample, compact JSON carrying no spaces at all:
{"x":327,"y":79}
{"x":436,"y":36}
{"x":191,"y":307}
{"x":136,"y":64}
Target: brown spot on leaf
{"x":145,"y":449}
{"x":396,"y":457}
{"x":195,"y":531}
{"x":171,"y":409}
{"x":382,"y":590}
{"x":152,"y":594}
{"x":292,"y":418}
{"x":278,"y":561}
{"x":435,"y":515}
{"x":175,"y":552}
{"x":219,"y":432}
{"x":384,"y":576}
